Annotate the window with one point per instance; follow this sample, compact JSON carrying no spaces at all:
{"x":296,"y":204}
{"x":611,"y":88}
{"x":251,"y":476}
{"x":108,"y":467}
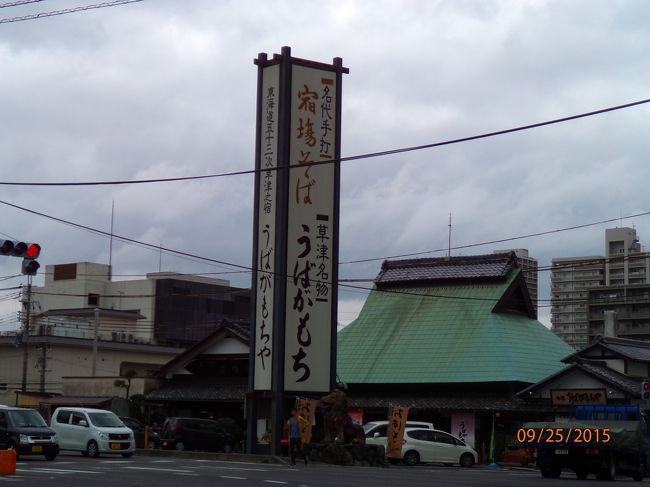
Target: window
{"x":419,"y":435}
{"x":443,"y":438}
{"x":382,"y":430}
{"x":63,"y":417}
{"x":63,"y":272}
{"x":93,"y":299}
{"x":77,"y":418}
{"x":3,"y":386}
{"x":3,"y":420}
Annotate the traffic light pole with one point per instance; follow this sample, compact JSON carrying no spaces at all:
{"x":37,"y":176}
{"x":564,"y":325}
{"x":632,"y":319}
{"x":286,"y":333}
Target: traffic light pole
{"x":25,"y":340}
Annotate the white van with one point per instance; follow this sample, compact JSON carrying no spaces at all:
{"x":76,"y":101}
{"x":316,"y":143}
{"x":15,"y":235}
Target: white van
{"x":92,"y":431}
{"x":377,"y":431}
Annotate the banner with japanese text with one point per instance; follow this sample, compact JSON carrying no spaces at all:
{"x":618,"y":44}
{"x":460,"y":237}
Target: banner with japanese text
{"x":463,"y":426}
{"x":266,"y":208}
{"x":311,"y":230}
{"x":397,"y":416}
{"x":307,"y":410}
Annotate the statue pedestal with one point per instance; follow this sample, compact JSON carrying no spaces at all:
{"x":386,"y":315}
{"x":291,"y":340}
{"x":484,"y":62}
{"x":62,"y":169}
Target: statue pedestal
{"x":350,"y":454}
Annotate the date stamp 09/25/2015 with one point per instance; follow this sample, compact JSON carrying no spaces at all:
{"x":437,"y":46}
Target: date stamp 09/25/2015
{"x":563,"y":435}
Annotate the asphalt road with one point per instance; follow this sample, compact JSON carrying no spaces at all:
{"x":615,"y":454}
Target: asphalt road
{"x":77,"y":471}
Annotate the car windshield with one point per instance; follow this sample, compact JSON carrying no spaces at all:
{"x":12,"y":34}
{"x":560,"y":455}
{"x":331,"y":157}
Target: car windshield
{"x":367,"y":427}
{"x":27,"y":419}
{"x":105,"y":420}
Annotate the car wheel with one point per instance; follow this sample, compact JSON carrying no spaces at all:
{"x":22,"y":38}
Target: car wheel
{"x":466,"y":460}
{"x":127,"y":455}
{"x":411,"y":458}
{"x":92,"y":449}
{"x":50,"y":456}
{"x":180,"y":446}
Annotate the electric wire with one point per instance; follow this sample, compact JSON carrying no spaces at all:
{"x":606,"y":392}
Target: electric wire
{"x":19,"y":2}
{"x":337,"y":160}
{"x":53,"y":13}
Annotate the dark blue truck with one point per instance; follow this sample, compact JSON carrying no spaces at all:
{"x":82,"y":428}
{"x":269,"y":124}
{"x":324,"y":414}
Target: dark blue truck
{"x":604,"y":440}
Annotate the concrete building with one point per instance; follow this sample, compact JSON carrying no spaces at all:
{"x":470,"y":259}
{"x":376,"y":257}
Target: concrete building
{"x":574,"y":308}
{"x":163,"y":309}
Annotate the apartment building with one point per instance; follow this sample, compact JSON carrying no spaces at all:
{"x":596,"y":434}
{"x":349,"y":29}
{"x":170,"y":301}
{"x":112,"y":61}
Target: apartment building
{"x":577,"y":309}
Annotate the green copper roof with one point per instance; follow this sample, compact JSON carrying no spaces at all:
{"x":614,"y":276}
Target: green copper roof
{"x":406,"y":338}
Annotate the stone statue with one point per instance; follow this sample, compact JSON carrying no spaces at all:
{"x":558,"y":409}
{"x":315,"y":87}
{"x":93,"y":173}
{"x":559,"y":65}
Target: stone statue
{"x":338,"y":426}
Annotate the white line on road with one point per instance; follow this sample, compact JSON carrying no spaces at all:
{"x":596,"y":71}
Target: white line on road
{"x":275,"y":482}
{"x":155,"y":469}
{"x":162,"y":461}
{"x":56,"y":470}
{"x":116,"y":461}
{"x":232,"y":477}
{"x":187,"y":474}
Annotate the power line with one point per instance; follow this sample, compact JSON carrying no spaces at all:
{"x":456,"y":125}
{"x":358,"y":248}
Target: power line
{"x":19,"y":2}
{"x":501,"y":240}
{"x":125,"y":239}
{"x":64,"y":11}
{"x":332,"y":161}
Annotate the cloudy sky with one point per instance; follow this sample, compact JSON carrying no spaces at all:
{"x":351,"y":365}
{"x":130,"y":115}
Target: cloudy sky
{"x":166,"y":88}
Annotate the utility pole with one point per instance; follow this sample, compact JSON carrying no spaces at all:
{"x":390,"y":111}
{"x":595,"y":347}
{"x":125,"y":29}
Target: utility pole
{"x":95,"y":338}
{"x":43,"y":366}
{"x":25,"y":338}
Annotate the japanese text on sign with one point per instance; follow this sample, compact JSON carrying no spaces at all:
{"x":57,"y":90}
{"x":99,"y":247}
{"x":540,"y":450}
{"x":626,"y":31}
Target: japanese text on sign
{"x":397,"y":417}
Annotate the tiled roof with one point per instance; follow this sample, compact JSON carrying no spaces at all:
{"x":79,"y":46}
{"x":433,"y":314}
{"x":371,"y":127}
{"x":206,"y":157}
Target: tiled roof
{"x":632,"y":349}
{"x":476,"y":267}
{"x":411,"y":338}
{"x":629,"y":384}
{"x":599,"y":370}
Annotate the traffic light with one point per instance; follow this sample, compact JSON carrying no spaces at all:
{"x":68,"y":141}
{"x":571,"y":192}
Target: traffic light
{"x":645,"y":391}
{"x":28,"y":251}
{"x":20,"y":249}
{"x":30,"y":267}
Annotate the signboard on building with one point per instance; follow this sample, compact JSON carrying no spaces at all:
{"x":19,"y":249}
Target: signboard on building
{"x":572,"y":397}
{"x":463,"y":427}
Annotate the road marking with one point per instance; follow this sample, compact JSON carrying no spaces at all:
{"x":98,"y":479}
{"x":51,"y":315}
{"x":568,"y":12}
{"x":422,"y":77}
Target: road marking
{"x":116,"y":461}
{"x":246,"y":469}
{"x":57,"y":470}
{"x":232,"y":477}
{"x":164,"y":461}
{"x":187,"y":474}
{"x":173,"y":470}
{"x":275,"y":481}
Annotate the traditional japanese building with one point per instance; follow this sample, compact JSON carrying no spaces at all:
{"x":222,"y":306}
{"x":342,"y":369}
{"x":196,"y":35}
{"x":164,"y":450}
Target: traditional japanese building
{"x":452,"y":338}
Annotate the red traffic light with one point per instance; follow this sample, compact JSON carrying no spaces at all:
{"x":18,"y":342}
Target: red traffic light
{"x":33,"y":251}
{"x":646,"y":386}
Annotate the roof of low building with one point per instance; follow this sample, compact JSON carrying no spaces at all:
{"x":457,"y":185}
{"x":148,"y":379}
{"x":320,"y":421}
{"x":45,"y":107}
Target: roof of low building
{"x":638,"y":350}
{"x":476,"y":267}
{"x":449,"y":333}
{"x":599,"y":371}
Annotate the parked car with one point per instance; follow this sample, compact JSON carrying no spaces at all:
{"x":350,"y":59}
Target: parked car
{"x":92,"y":432}
{"x":195,"y":434}
{"x":26,"y":432}
{"x":139,"y":430}
{"x":435,"y":446}
{"x":377,"y":431}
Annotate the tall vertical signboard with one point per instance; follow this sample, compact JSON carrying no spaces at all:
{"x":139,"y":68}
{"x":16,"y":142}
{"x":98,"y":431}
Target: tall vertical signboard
{"x":312,"y":231}
{"x":295,"y":242}
{"x":266,"y":208}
